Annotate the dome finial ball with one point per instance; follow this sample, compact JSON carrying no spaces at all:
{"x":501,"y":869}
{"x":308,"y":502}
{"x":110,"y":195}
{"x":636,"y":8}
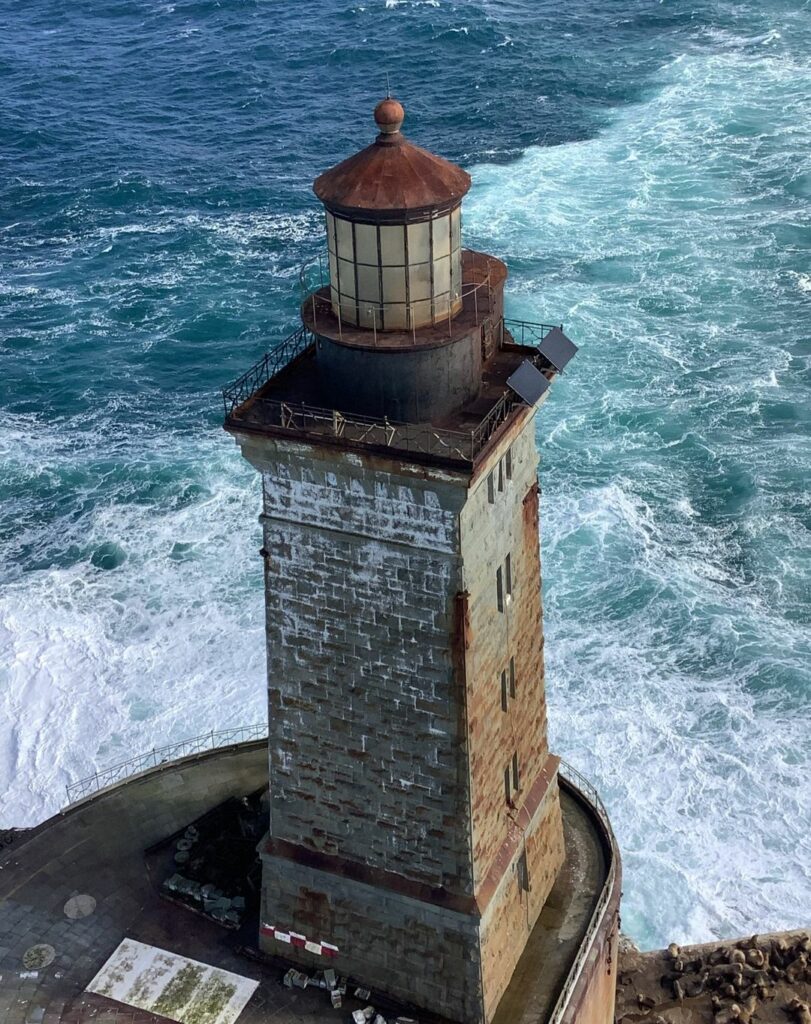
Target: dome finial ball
{"x":389,"y":116}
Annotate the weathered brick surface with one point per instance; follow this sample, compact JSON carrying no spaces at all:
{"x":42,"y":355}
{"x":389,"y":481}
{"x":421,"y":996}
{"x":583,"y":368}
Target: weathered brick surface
{"x":490,"y":532}
{"x":388,"y":741}
{"x":512,"y":914}
{"x":422,"y":954}
{"x":367,"y":755}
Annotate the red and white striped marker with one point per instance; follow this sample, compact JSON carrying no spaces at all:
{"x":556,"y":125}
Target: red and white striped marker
{"x":301,"y":941}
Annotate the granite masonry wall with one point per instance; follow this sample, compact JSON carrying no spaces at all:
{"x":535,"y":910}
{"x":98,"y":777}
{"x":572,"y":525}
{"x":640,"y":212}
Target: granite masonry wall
{"x":519,"y":843}
{"x":367,"y":748}
{"x":391,"y":836}
{"x":425,"y":954}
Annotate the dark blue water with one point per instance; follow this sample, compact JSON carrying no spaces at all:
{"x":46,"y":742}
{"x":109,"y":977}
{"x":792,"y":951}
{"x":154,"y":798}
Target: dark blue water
{"x":643,"y":169}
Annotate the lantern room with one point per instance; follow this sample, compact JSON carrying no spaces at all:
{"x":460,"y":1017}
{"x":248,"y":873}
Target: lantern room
{"x":393,"y":217}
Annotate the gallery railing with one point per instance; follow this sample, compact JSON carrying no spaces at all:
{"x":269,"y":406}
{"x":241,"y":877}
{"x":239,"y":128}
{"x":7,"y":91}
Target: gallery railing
{"x":161,"y":755}
{"x":368,"y":431}
{"x":240,"y":390}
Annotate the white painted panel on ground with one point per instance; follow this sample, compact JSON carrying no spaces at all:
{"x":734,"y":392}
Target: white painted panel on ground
{"x":174,"y":986}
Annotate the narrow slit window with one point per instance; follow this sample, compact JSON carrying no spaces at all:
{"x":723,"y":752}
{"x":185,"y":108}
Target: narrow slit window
{"x":516,"y":779}
{"x":523,"y":873}
{"x":507,"y":789}
{"x":508,"y":576}
{"x":491,"y":491}
{"x":503,"y":691}
{"x":508,"y":464}
{"x":499,"y":590}
{"x":501,"y":474}
{"x":512,"y":678}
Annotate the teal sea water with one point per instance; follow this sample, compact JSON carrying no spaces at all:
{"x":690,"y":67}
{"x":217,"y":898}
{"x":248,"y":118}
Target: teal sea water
{"x":642,"y":167}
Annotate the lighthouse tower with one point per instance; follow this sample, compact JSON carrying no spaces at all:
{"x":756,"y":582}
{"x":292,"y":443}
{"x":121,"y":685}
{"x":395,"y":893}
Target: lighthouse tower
{"x":415,"y":826}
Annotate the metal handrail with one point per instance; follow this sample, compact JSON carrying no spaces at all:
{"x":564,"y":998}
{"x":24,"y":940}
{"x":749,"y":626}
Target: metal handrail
{"x":365,"y":430}
{"x":160,"y":755}
{"x":241,"y":389}
{"x":581,"y":783}
{"x":313,"y":276}
{"x":531,"y":333}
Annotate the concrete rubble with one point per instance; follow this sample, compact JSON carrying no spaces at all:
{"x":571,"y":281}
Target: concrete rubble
{"x":337,"y":988}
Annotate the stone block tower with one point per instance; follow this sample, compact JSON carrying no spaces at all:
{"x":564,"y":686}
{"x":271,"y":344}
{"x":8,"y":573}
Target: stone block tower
{"x":415,"y":828}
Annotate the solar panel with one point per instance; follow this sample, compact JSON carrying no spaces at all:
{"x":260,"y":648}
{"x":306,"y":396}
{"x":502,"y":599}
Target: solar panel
{"x":557,"y":348}
{"x":528,"y":383}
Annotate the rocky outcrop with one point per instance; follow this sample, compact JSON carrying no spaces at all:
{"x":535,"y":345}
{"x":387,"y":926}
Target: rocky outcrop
{"x":765,"y":979}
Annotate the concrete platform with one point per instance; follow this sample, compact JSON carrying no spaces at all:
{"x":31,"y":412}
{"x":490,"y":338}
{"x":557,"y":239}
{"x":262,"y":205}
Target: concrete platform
{"x":73,"y":887}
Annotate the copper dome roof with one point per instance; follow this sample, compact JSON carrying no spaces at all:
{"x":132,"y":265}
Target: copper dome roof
{"x":392,"y":174}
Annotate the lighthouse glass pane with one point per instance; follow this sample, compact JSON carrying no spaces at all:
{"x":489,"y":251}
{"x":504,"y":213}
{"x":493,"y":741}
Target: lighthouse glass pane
{"x":419,"y":243}
{"x":442,"y":236}
{"x":347,"y":272}
{"x":368,"y":284}
{"x":456,"y":228}
{"x":394,"y":289}
{"x":421,"y":313}
{"x":456,"y":273}
{"x":366,"y":244}
{"x":330,"y":232}
{"x":392,"y":245}
{"x":442,"y":281}
{"x":419,"y":281}
{"x":343,"y":236}
{"x":396,"y":316}
{"x":333,"y":270}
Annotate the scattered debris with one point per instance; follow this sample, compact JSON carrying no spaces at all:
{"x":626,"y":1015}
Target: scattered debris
{"x":216,"y":865}
{"x":362,"y":994}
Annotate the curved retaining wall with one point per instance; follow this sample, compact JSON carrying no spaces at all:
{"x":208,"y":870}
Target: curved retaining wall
{"x":589,"y":993}
{"x":158,"y":802}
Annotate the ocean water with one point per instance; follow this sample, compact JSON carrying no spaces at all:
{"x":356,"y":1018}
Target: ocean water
{"x":643,"y":167}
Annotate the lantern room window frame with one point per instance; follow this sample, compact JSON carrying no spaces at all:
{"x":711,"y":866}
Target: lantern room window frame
{"x":369,"y":289}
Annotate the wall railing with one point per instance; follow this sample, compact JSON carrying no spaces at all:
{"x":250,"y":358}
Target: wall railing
{"x":367,"y":431}
{"x":162,"y":755}
{"x":582,"y":784}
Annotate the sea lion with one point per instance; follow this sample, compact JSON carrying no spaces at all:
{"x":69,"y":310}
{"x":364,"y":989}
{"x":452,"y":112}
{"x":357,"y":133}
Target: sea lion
{"x":797,"y":969}
{"x":801,"y":1011}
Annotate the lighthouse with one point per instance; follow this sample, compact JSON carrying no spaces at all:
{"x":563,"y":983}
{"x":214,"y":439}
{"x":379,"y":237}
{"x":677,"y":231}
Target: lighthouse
{"x":415,"y":828}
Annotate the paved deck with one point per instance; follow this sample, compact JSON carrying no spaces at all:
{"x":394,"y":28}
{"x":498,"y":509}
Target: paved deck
{"x":95,"y":849}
